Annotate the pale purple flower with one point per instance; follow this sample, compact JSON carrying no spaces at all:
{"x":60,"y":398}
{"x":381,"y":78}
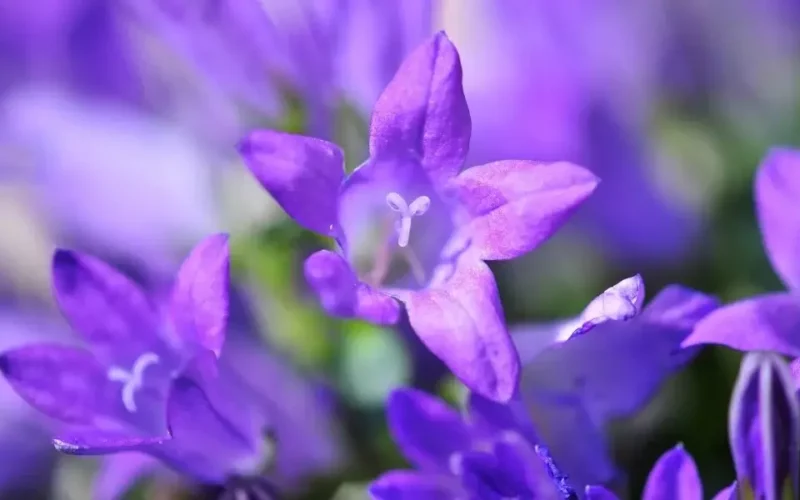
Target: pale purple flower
{"x":769,"y":322}
{"x":465,"y":457}
{"x":147,"y":379}
{"x":764,"y":433}
{"x":581,"y":373}
{"x":412,"y":229}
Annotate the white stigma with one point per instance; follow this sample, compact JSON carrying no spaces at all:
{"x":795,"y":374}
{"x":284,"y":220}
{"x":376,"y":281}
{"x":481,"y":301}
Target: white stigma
{"x":132,"y":381}
{"x":406,"y":210}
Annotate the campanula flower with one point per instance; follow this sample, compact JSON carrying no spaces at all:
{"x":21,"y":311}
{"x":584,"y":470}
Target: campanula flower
{"x":579,"y":374}
{"x":473,"y":456}
{"x":769,"y":322}
{"x":146,"y":380}
{"x":764,"y":433}
{"x":411,"y":227}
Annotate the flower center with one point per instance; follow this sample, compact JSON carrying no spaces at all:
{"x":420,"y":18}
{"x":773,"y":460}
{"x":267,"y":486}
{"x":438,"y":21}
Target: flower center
{"x":132,"y":380}
{"x":407,"y":211}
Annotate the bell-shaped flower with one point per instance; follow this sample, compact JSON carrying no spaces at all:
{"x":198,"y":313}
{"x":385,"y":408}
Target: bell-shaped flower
{"x":579,"y":374}
{"x":413,"y":230}
{"x":146,"y":379}
{"x":465,"y":457}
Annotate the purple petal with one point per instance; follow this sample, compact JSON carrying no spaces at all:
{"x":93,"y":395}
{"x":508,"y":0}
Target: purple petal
{"x":343,"y":295}
{"x":411,"y":485}
{"x":777,"y":188}
{"x":105,"y":307}
{"x":492,"y":418}
{"x":532,"y":339}
{"x":93,"y":441}
{"x":204,"y":444}
{"x":680,"y":307}
{"x":303,"y":174}
{"x":119,"y":473}
{"x":765,"y":323}
{"x":674,"y":477}
{"x":423,"y":112}
{"x":425,"y":429}
{"x":462,"y":323}
{"x":764,"y":426}
{"x":199,"y":302}
{"x":65,"y":383}
{"x":599,"y":493}
{"x":517,"y":205}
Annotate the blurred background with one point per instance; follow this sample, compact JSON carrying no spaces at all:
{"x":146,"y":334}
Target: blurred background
{"x":119,"y":121}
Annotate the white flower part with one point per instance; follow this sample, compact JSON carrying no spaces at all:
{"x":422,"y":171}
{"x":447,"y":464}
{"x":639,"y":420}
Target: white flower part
{"x":132,"y":381}
{"x":406,"y":210}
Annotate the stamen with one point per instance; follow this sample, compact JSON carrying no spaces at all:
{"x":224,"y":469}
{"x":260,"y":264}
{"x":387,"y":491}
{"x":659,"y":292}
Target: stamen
{"x":416,"y":208}
{"x":132,"y":381}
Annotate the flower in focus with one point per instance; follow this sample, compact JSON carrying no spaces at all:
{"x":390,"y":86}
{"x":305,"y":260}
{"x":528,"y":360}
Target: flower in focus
{"x":147,"y":381}
{"x":579,"y":374}
{"x":764,"y":433}
{"x":769,"y":322}
{"x":465,"y":457}
{"x":412,"y":228}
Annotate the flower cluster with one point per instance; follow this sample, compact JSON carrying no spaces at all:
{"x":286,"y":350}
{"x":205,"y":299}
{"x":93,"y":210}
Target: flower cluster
{"x":169,"y":378}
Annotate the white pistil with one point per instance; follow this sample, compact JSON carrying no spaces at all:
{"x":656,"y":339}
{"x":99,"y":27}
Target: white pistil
{"x":407,"y":211}
{"x":132,"y":381}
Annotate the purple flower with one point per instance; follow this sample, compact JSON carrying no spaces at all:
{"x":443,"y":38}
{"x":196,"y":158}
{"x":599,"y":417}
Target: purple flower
{"x":465,"y":457}
{"x":769,"y":322}
{"x":578,"y":374}
{"x":764,"y":432}
{"x":147,"y":379}
{"x":411,"y":227}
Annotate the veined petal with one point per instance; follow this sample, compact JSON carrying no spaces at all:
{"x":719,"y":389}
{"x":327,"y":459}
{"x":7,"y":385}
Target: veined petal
{"x":110,"y":311}
{"x":777,"y":188}
{"x":119,"y":472}
{"x":199,"y":301}
{"x":65,"y":383}
{"x":516,"y":205}
{"x":426,"y":430}
{"x":303,"y":174}
{"x":412,"y":485}
{"x":674,"y":477}
{"x":764,"y":428}
{"x":765,"y":323}
{"x":423,"y":112}
{"x":461,"y":321}
{"x":343,"y":295}
{"x":599,"y":493}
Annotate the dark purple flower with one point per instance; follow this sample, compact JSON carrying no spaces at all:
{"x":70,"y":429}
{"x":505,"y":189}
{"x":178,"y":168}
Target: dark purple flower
{"x":764,"y":432}
{"x":769,"y":322}
{"x":147,"y":379}
{"x":477,"y":456}
{"x":581,"y":373}
{"x":412,"y":228}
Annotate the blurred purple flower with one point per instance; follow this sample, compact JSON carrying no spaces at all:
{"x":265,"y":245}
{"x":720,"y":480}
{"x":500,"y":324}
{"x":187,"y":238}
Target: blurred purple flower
{"x":581,"y":373}
{"x":465,"y":457}
{"x":769,"y":322}
{"x":109,"y":178}
{"x":147,"y":381}
{"x":572,"y":81}
{"x":764,"y":432}
{"x":255,"y":52}
{"x":412,"y":227}
{"x":82,"y":44}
